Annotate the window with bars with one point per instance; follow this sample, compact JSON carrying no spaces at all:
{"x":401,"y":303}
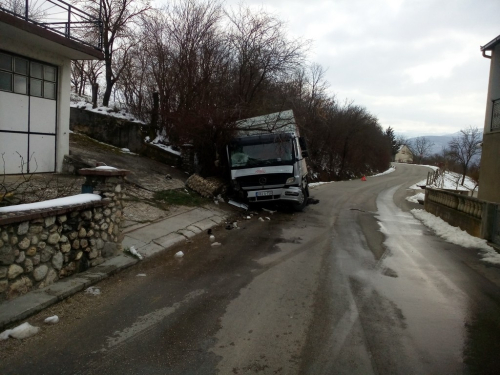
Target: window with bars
{"x":27,"y":77}
{"x":495,"y":115}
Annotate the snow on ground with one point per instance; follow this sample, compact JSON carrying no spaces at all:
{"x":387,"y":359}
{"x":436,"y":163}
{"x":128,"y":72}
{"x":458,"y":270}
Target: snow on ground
{"x":315,"y":184}
{"x":22,"y":331}
{"x":457,"y":236}
{"x":66,"y":201}
{"x":160,"y":141}
{"x":123,"y":150}
{"x":106,"y":168}
{"x":390,"y":170}
{"x":120,"y":114}
{"x":451,"y":181}
{"x":415,"y":198}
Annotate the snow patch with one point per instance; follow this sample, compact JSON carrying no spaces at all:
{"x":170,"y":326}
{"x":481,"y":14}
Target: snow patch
{"x":132,"y":250}
{"x":390,"y":170}
{"x":93,"y":291}
{"x":52,"y":319}
{"x":58,"y":202}
{"x":106,"y":168}
{"x":457,"y":236}
{"x":415,"y":198}
{"x":179,"y":254}
{"x":22,"y":331}
{"x":315,"y":184}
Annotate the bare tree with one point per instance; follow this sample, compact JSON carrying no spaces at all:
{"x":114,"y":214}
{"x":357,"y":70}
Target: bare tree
{"x":420,"y":147}
{"x":118,"y":19}
{"x":464,"y":147}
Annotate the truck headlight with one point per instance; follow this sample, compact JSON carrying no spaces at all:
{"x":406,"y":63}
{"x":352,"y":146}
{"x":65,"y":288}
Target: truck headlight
{"x":290,"y":180}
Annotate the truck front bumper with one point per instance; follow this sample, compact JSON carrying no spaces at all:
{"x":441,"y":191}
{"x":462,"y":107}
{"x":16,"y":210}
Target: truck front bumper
{"x":290,"y":194}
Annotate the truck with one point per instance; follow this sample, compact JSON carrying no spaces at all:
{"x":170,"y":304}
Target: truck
{"x":267,"y":160}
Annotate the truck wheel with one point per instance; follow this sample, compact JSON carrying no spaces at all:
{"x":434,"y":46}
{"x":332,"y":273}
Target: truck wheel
{"x":299,"y":206}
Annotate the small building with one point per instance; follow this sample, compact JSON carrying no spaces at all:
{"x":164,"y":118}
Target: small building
{"x":404,"y":155}
{"x":489,"y":180}
{"x":36,"y":49}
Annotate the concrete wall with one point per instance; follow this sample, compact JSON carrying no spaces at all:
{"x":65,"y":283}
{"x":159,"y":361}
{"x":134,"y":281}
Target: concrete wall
{"x":489,"y":178}
{"x":108,"y":129}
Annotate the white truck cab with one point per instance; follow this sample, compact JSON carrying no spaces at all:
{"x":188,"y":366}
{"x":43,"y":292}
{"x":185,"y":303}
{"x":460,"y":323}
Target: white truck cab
{"x":267,"y":160}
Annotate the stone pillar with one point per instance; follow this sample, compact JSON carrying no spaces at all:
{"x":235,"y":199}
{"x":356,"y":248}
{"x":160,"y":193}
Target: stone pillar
{"x":109,"y":183}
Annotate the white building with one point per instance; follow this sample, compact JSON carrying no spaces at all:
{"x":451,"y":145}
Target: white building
{"x":404,"y":155}
{"x":35,"y":68}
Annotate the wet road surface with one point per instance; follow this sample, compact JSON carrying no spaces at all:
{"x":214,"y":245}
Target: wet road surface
{"x":354,"y":285}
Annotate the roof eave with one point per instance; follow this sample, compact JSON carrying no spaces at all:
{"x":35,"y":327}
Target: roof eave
{"x":491,"y":45}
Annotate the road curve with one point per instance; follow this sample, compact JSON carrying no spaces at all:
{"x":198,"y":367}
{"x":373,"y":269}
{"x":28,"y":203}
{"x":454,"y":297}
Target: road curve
{"x":354,"y":285}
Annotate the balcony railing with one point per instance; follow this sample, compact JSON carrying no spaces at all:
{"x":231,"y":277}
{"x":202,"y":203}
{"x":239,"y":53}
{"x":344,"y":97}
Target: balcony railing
{"x":60,"y":17}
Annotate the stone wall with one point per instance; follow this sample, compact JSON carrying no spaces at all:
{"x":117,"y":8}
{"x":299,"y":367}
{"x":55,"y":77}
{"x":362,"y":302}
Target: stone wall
{"x":39,"y":247}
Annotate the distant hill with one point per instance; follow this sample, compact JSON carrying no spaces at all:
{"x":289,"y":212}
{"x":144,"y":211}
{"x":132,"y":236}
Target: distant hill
{"x":440,"y":142}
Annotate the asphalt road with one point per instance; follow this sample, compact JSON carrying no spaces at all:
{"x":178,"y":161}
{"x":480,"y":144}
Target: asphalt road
{"x":354,"y":285}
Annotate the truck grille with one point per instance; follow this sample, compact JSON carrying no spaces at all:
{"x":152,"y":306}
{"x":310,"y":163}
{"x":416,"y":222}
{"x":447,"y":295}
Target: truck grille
{"x":271,"y":179}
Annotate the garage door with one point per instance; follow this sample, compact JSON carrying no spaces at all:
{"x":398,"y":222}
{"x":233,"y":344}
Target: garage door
{"x":28,"y":115}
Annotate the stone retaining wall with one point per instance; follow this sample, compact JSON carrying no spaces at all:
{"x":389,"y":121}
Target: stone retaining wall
{"x":39,"y":247}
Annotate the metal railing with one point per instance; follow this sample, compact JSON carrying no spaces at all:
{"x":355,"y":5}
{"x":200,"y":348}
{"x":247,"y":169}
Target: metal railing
{"x":60,"y":17}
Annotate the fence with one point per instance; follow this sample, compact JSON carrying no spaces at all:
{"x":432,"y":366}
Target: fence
{"x":59,"y":17}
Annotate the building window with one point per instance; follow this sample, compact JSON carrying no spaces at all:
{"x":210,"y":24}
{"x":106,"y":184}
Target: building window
{"x":23,"y":76}
{"x":495,"y":116}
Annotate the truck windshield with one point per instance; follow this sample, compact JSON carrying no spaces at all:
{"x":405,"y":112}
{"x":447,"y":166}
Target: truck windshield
{"x":261,"y":154}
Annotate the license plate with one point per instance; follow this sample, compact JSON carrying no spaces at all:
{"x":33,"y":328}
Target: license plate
{"x":264,"y":193}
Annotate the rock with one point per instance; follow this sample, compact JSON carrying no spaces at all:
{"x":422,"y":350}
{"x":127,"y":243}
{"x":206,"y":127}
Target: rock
{"x":23,"y":228}
{"x":90,"y":233}
{"x":1,"y":243}
{"x":14,"y":271}
{"x":104,"y":226}
{"x":110,"y":229}
{"x":93,"y":254}
{"x":41,"y":245}
{"x":43,"y":236}
{"x":36,"y":229}
{"x":36,"y":260}
{"x":34,"y":239}
{"x":66,"y":248}
{"x":84,"y":243}
{"x":5,"y":237}
{"x":104,"y":236}
{"x":118,"y":188}
{"x":50,"y":221}
{"x":13,"y":240}
{"x":87,"y":215}
{"x":54,"y":238}
{"x":79,"y":255}
{"x":46,"y":254}
{"x":99,"y":244}
{"x":28,"y":266}
{"x":51,"y":277}
{"x":6,"y":255}
{"x":40,"y":272}
{"x":21,"y":257}
{"x":57,"y":260}
{"x":31,"y":251}
{"x":76,"y":244}
{"x":3,"y":272}
{"x":3,"y":285}
{"x":107,"y":212}
{"x":21,"y":286}
{"x":62,"y":219}
{"x":82,"y":233}
{"x":97,"y":216}
{"x":73,"y":235}
{"x":24,"y":244}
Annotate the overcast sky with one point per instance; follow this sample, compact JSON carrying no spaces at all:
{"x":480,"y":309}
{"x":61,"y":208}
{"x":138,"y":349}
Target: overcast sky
{"x":415,"y":64}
